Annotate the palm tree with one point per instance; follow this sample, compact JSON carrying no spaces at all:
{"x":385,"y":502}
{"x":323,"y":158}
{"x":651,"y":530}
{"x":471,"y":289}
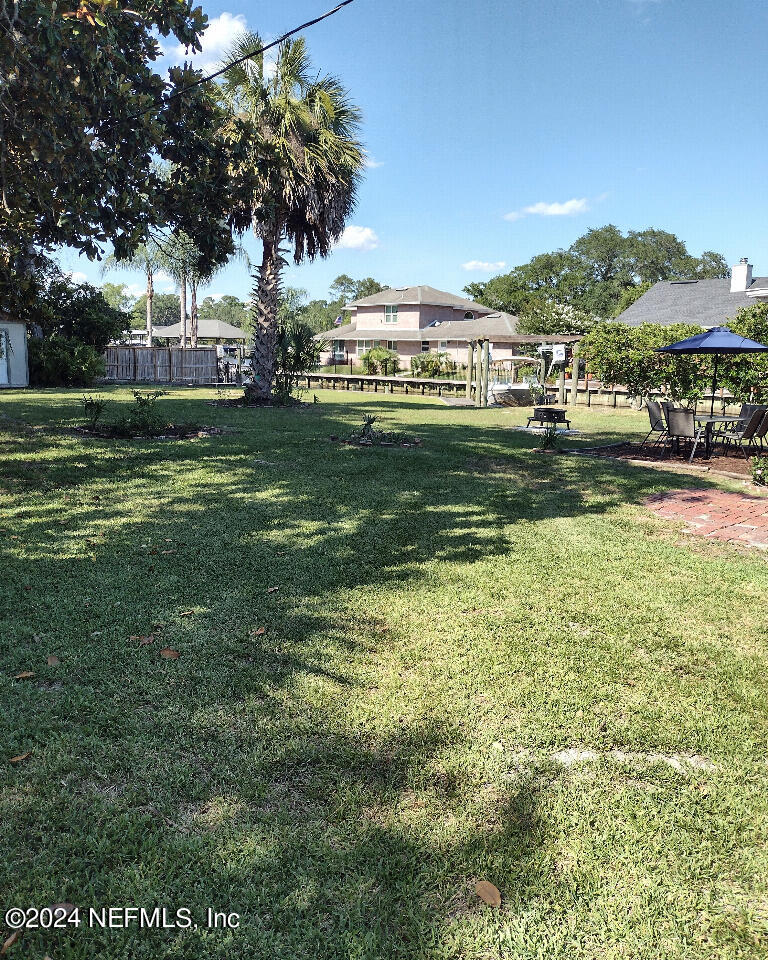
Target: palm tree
{"x":147,"y":260}
{"x":306,"y":160}
{"x":184,"y":263}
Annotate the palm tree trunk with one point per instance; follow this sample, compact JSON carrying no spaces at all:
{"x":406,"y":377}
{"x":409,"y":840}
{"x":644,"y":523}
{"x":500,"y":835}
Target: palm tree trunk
{"x":193,"y":310}
{"x":183,"y":309}
{"x":265,"y":306}
{"x":150,"y":296}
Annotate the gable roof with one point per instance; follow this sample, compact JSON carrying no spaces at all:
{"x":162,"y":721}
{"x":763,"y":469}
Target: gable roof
{"x":708,"y":303}
{"x":207,"y":329}
{"x":429,"y":296}
{"x":498,"y":327}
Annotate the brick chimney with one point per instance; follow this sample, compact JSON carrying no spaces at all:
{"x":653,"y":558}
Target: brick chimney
{"x":741,"y":276}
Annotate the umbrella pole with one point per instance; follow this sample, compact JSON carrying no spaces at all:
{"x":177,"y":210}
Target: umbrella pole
{"x":714,"y":386}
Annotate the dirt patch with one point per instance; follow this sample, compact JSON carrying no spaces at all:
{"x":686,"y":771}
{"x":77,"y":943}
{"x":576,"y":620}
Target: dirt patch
{"x":733,"y":466}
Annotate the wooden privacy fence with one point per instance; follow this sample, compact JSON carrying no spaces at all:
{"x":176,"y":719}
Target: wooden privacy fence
{"x":161,"y":364}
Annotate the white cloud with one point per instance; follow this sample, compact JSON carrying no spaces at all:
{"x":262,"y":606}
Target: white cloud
{"x":358,"y":238}
{"x":483,"y":266}
{"x":541,"y":209}
{"x":372,"y":163}
{"x":216,"y":40}
{"x":77,"y":276}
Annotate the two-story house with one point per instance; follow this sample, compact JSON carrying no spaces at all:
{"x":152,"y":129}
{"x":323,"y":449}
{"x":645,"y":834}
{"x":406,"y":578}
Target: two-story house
{"x":413,"y":320}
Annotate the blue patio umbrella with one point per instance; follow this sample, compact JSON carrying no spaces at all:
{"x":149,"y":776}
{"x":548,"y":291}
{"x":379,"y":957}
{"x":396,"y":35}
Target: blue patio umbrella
{"x":719,"y":341}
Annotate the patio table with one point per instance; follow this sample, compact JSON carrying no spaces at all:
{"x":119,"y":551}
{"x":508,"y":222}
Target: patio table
{"x":709,"y":423}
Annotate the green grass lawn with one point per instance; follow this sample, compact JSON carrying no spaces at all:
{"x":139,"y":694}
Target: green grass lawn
{"x":482,"y":662}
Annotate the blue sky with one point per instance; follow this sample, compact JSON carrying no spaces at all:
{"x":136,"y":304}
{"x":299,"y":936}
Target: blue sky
{"x":498,"y":130}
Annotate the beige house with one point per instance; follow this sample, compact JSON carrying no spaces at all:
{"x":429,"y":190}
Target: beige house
{"x":14,"y":367}
{"x":414,"y":320}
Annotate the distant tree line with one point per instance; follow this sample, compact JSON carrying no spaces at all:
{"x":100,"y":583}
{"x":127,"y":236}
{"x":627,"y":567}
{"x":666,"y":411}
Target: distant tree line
{"x":596,"y":278}
{"x":318,"y":315}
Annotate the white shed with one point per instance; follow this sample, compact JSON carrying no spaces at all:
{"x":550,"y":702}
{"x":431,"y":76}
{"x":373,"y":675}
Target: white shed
{"x":14,"y":366}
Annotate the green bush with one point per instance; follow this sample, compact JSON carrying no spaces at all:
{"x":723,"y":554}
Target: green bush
{"x":143,"y":419}
{"x":431,"y":365}
{"x":377,"y":359}
{"x":63,"y":362}
{"x":93,"y":408}
{"x":760,"y":471}
{"x":627,"y":356}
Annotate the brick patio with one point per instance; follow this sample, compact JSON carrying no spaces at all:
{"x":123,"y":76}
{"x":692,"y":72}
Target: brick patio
{"x":716,"y":514}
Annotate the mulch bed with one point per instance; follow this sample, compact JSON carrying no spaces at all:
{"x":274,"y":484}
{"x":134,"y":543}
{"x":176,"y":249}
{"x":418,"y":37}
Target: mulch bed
{"x":415,"y":442}
{"x":173,"y":431}
{"x":732,"y":466}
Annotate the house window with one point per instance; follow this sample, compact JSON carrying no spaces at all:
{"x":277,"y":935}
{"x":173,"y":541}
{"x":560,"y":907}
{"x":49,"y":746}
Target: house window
{"x":425,"y":346}
{"x":390,"y":314}
{"x":442,"y":346}
{"x":469,"y":315}
{"x":365,"y":345}
{"x":392,"y":345}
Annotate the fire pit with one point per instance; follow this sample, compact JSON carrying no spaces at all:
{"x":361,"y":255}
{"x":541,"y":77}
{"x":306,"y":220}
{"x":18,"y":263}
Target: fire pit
{"x":547,"y":415}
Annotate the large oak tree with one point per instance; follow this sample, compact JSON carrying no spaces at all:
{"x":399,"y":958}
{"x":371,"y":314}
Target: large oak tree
{"x":595,"y":275}
{"x":85,"y":116}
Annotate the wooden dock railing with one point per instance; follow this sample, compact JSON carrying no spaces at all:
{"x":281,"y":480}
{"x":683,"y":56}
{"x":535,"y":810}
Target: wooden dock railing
{"x":374,"y":384}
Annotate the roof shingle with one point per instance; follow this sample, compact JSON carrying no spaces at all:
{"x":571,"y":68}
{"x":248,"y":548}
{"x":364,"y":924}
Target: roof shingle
{"x":418,"y":295}
{"x":708,"y":303}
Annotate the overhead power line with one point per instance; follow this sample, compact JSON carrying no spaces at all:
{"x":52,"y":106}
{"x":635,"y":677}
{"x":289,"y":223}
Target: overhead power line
{"x":246,"y":56}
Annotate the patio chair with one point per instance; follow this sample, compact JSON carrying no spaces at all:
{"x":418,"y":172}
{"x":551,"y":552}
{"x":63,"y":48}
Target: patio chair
{"x":745,"y":437}
{"x":762,"y":430}
{"x":681,"y":425}
{"x":658,"y":426}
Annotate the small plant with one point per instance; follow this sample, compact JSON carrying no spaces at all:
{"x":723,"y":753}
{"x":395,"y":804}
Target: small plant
{"x":548,"y":438}
{"x":93,"y":407}
{"x":760,"y":471}
{"x":143,"y":418}
{"x":368,"y":436}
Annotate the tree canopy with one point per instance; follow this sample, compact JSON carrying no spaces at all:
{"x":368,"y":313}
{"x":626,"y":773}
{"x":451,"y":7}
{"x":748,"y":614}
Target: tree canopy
{"x":596,"y":274}
{"x":80,"y":157}
{"x":227,"y":308}
{"x":165,"y":310}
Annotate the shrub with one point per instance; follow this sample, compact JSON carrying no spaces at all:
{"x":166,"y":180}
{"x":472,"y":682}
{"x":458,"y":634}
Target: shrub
{"x":144,"y":417}
{"x":296,"y":352}
{"x":93,"y":408}
{"x":378,"y":359}
{"x":627,"y":356}
{"x":431,"y":364}
{"x":548,"y":438}
{"x":760,"y":471}
{"x":63,"y":362}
